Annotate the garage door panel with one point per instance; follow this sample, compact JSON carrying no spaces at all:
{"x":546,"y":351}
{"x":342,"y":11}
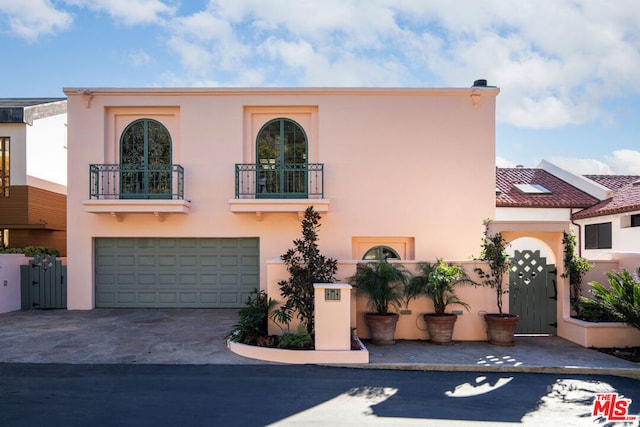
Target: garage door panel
{"x":146,"y":279}
{"x":125,"y":297}
{"x":229,"y":297}
{"x":169,"y":272}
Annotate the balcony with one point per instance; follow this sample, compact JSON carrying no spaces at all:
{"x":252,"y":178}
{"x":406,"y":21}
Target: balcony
{"x":272,"y":187}
{"x":123,"y":189}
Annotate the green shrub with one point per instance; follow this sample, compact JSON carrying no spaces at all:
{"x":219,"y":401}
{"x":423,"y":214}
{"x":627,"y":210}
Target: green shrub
{"x":301,"y":340}
{"x":31,"y":251}
{"x":254,"y":316}
{"x":622,"y":299}
{"x":575,"y":268}
{"x":590,"y":311}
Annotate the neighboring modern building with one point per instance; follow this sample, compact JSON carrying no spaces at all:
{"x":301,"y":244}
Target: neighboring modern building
{"x":184,"y":197}
{"x":33,"y":172}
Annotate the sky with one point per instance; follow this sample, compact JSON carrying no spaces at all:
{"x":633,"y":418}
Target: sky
{"x":568,"y":70}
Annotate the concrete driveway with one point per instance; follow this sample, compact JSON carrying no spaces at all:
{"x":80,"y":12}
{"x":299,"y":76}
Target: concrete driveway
{"x":145,"y":336}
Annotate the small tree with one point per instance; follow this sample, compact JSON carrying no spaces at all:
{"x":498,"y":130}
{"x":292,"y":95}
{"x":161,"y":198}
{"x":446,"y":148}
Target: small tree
{"x":622,"y":300}
{"x":575,"y":268}
{"x":494,"y":252}
{"x":306,"y":266}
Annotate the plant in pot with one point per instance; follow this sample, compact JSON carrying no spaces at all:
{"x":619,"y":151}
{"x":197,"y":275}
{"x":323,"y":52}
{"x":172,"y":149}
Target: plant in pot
{"x":437,"y":281}
{"x":383,"y":283}
{"x":501,"y":326}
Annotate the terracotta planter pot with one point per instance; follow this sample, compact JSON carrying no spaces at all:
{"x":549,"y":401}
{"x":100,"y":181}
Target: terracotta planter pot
{"x":382,"y":327}
{"x":440,"y":327}
{"x":501,"y":328}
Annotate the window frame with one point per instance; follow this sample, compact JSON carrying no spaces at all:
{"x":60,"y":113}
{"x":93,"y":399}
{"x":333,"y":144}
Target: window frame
{"x":381,"y":250}
{"x":5,"y":166}
{"x":598,"y":236}
{"x":149,"y":175}
{"x":278,"y":176}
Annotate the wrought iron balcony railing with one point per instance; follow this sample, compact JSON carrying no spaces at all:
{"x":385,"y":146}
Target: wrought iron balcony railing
{"x":136,"y":182}
{"x":273,"y":181}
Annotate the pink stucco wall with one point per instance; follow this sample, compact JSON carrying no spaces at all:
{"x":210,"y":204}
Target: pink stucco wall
{"x":410,"y":165}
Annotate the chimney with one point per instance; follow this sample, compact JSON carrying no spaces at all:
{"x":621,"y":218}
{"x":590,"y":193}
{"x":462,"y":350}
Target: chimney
{"x":480,"y":83}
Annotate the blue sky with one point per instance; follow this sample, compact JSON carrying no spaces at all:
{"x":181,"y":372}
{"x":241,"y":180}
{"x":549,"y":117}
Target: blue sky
{"x":568,"y":71}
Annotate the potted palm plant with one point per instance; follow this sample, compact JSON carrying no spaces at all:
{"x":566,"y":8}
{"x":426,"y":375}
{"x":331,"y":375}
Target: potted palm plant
{"x":383,"y":283}
{"x":501,"y":326}
{"x":437,"y":281}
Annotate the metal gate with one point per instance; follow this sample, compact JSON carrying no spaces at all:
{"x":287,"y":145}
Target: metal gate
{"x":533,"y":293}
{"x":43,"y":283}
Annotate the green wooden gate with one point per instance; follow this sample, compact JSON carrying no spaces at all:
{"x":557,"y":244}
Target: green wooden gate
{"x":533,"y":293}
{"x":43,"y":283}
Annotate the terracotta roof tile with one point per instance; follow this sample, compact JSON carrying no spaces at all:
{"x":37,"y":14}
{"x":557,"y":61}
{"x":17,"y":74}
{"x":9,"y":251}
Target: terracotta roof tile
{"x":613,"y":182}
{"x":625,"y":199}
{"x":563,"y":195}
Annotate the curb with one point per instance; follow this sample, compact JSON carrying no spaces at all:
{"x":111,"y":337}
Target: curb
{"x":569,"y":370}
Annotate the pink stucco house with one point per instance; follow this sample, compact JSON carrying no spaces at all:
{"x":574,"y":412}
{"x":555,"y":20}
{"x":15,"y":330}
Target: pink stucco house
{"x":187,"y":197}
{"x":180,"y":197}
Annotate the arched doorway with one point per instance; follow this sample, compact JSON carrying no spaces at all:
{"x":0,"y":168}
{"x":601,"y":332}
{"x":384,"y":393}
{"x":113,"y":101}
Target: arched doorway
{"x":281,"y":160}
{"x":145,"y":161}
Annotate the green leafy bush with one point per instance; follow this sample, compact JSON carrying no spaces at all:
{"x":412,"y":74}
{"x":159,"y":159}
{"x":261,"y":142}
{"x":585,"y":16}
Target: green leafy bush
{"x":301,"y":340}
{"x":575,"y":268}
{"x":589,"y":311}
{"x":437,"y":281}
{"x":622,"y":299}
{"x":31,"y":251}
{"x":254,"y":316}
{"x":382,"y":282}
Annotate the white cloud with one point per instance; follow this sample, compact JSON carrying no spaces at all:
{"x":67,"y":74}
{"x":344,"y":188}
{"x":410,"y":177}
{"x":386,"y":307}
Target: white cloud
{"x":620,"y":162}
{"x":557,"y":62}
{"x":193,"y":56}
{"x":128,"y":12}
{"x":582,"y":166}
{"x":139,"y":58}
{"x":30,"y":19}
{"x":624,"y":162}
{"x":501,"y":162}
{"x":551,"y":75}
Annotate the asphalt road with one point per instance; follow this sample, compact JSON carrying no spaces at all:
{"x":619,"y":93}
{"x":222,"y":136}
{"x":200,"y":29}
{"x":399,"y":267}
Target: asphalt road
{"x":257,"y":395}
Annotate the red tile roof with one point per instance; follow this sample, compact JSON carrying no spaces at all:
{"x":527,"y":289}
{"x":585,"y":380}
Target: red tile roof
{"x":625,"y":199}
{"x":563,"y":195}
{"x":613,"y":182}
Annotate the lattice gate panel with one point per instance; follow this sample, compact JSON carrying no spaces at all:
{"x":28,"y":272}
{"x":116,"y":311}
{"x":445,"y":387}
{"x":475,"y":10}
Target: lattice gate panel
{"x":533,"y":293}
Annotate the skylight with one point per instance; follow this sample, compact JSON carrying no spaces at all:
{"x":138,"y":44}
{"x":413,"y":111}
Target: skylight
{"x":532,"y":188}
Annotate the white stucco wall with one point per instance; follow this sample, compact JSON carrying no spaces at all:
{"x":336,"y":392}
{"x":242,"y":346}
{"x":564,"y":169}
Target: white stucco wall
{"x":46,"y":150}
{"x":533,"y":214}
{"x":10,"y":281}
{"x":624,"y":239}
{"x":414,"y":165}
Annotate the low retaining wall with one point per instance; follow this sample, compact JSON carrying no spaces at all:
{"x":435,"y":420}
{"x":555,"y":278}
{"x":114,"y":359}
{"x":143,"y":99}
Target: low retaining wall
{"x":600,"y":334}
{"x":300,"y":356}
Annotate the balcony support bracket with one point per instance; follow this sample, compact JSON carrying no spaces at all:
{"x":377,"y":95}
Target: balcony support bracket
{"x":117,"y":216}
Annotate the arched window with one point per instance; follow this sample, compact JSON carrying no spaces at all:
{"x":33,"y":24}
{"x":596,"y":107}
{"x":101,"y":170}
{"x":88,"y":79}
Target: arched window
{"x":380,"y":253}
{"x":145,"y":161}
{"x":281,"y":160}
